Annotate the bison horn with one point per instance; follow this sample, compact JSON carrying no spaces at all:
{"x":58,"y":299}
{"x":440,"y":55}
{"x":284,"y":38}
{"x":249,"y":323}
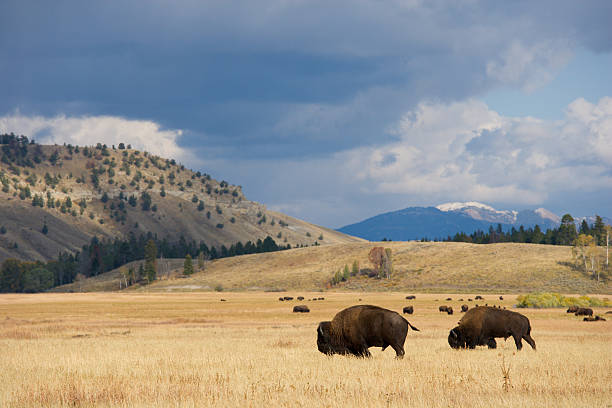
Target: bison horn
{"x":454,"y":333}
{"x":320,"y":330}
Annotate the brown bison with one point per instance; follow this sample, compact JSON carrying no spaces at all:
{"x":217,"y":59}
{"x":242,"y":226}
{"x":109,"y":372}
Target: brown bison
{"x":464,"y":308}
{"x":501,"y":298}
{"x":594,"y":319}
{"x":572,"y":309}
{"x":288,"y":298}
{"x":449,"y":298}
{"x":301,"y":309}
{"x":449,"y":310}
{"x":478,"y":297}
{"x":357,"y":328}
{"x":584,"y":311}
{"x":410,"y":297}
{"x":300,"y":298}
{"x":443,"y":308}
{"x":481,"y":325}
{"x":281,"y":299}
{"x":408,"y":310}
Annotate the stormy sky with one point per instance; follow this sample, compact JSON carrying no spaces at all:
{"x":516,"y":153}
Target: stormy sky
{"x":330,"y":111}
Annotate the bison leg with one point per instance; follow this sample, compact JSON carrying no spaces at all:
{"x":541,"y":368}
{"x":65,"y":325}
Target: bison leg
{"x":530,"y":340}
{"x":491,"y":343}
{"x":399,"y":351}
{"x":517,"y":341}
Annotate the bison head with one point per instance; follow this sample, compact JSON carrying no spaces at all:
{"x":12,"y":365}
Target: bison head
{"x":326,"y":343}
{"x":456,"y":339}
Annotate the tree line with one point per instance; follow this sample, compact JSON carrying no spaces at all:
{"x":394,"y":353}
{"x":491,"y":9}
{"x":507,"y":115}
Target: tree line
{"x":103,"y":255}
{"x":565,"y":234}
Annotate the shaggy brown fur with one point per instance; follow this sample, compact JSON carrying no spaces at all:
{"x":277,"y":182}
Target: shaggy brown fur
{"x":584,"y":311}
{"x":355,"y":329}
{"x":408,"y":310}
{"x":482,"y":324}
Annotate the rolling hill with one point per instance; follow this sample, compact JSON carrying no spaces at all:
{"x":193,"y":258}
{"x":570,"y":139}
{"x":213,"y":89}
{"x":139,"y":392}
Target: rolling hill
{"x":56,"y":198}
{"x":418,"y":266}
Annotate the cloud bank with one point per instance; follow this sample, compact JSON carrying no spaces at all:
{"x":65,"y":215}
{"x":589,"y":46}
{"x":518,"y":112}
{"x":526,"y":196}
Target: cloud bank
{"x":90,"y":130}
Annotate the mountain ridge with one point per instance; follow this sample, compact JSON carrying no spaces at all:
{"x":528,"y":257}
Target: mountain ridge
{"x":448,"y":219}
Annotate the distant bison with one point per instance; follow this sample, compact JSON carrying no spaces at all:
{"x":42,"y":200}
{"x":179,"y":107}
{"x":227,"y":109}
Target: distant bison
{"x":223,"y":300}
{"x":300,"y":298}
{"x":357,"y":328}
{"x":281,"y":299}
{"x":572,"y":309}
{"x":449,"y":310}
{"x":449,"y":298}
{"x":410,"y":297}
{"x":609,"y":312}
{"x":408,"y":310}
{"x":321,"y":298}
{"x":481,"y":325}
{"x":478,"y":297}
{"x":584,"y":311}
{"x":301,"y":309}
{"x":501,"y":298}
{"x":594,"y":319}
{"x":469,"y":300}
{"x":464,"y":308}
{"x":443,"y":308}
{"x":288,"y":298}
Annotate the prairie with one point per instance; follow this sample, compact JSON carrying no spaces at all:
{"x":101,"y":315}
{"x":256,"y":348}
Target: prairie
{"x":193,"y":350}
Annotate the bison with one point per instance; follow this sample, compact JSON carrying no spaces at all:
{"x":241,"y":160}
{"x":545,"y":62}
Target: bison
{"x":478,"y":297}
{"x":594,"y":319}
{"x":443,"y":308}
{"x":584,"y":311}
{"x":501,"y":298}
{"x":464,"y":308}
{"x":481,"y":325}
{"x":288,"y":298}
{"x":410,"y":297}
{"x":300,"y":298}
{"x":357,"y":328}
{"x":301,"y":309}
{"x":449,"y":310}
{"x":449,"y":298}
{"x":408,"y":310}
{"x":281,"y":299}
{"x":572,"y":309}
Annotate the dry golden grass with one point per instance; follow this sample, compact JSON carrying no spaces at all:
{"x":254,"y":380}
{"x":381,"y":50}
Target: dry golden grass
{"x":191,"y":350}
{"x":422,"y":266}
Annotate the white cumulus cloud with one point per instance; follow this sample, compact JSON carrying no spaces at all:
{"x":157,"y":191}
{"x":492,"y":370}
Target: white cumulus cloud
{"x":88,"y":130}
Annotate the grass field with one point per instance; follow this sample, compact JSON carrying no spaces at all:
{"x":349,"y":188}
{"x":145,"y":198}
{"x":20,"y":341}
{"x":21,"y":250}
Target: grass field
{"x":192,"y":350}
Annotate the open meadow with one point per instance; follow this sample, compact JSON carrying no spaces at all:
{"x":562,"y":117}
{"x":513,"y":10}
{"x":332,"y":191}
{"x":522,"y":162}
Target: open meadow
{"x":194,"y":350}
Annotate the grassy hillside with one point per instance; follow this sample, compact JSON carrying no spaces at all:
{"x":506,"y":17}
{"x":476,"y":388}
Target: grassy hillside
{"x":111,"y":192}
{"x":419,"y":267}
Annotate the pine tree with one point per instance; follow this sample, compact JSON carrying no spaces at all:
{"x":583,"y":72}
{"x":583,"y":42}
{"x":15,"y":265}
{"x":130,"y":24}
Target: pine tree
{"x":567,"y":231}
{"x":187,"y":266}
{"x":150,"y":261}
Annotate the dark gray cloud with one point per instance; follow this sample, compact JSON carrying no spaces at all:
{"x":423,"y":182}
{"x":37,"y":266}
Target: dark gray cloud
{"x":281,"y":80}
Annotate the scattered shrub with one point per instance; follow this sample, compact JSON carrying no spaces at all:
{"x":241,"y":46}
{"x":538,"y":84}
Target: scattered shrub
{"x":547,"y":299}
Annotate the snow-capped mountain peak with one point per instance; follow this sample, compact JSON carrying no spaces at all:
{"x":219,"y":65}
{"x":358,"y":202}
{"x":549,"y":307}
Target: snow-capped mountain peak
{"x":456,"y":206}
{"x":480,"y":211}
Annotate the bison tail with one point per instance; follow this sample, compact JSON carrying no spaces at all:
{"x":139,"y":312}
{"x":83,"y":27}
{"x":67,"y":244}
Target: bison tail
{"x":412,"y":327}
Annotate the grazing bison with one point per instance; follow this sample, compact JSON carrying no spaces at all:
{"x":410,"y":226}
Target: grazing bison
{"x":410,"y":297}
{"x":464,"y":308}
{"x":594,"y":319}
{"x":408,"y":309}
{"x":357,"y":328}
{"x":449,"y":298}
{"x":481,"y":325}
{"x":501,"y":298}
{"x":300,"y":298}
{"x":584,"y":311}
{"x":288,"y":298}
{"x":443,"y":308}
{"x":478,"y":297}
{"x":572,"y":309}
{"x":469,"y":300}
{"x":321,"y":298}
{"x":609,"y":312}
{"x":281,"y":299}
{"x":301,"y":309}
{"x":461,"y":299}
{"x":449,"y":310}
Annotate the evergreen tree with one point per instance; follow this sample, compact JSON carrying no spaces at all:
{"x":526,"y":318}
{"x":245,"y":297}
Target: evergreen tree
{"x":150,"y":261}
{"x":187,"y":265}
{"x":567,"y":231}
{"x":584,"y":228}
{"x":45,"y":230}
{"x":599,"y":231}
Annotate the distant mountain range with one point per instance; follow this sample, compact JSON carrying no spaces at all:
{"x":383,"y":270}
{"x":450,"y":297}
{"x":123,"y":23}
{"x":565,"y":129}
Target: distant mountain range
{"x":448,"y":219}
